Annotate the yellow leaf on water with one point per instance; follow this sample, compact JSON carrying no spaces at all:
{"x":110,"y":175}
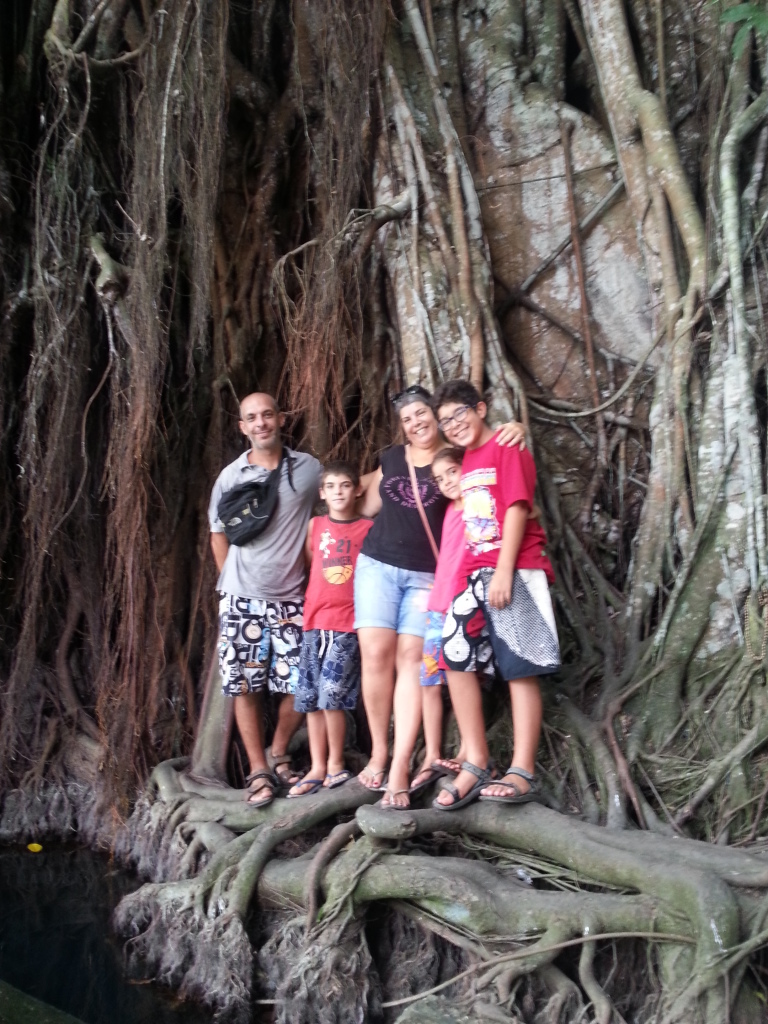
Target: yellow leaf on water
{"x":34,"y":847}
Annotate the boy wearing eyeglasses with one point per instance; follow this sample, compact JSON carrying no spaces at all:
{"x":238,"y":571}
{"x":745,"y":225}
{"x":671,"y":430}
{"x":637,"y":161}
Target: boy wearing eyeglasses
{"x":507,"y":574}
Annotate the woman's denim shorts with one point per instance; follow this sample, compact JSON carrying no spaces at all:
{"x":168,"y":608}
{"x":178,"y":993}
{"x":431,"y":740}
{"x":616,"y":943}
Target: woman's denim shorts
{"x":390,"y":598}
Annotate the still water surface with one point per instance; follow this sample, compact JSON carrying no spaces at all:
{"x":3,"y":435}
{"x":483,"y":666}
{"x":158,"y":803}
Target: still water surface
{"x":56,"y":943}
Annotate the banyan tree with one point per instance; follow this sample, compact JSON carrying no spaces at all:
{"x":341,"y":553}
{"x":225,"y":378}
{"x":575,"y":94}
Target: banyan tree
{"x":564,"y":200}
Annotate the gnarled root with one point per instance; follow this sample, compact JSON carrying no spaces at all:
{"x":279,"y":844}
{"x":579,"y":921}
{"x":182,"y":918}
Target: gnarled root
{"x":201,"y":840}
{"x":565,"y":999}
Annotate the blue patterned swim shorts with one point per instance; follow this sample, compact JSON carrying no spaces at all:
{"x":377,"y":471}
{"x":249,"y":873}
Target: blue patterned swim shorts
{"x":329,"y":671}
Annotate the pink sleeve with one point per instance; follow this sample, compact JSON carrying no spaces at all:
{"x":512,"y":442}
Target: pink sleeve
{"x":517,"y":476}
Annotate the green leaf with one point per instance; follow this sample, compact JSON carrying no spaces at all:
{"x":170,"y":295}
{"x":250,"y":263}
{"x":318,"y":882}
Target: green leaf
{"x":742,"y":12}
{"x":740,"y":39}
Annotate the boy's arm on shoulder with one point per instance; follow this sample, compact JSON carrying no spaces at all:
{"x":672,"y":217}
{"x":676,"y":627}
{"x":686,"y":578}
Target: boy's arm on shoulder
{"x":369,"y":502}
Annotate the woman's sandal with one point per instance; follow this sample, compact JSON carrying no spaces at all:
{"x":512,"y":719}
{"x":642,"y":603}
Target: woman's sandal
{"x":446,"y":766}
{"x":372,"y":776}
{"x":391,"y":806}
{"x":432,"y":775}
{"x":515,"y":796}
{"x":268,"y":786}
{"x":483,"y":779}
{"x":450,"y":766}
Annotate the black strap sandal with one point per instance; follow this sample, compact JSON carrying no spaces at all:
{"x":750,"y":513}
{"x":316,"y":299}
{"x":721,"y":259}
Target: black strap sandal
{"x":515,"y":796}
{"x":483,"y":778}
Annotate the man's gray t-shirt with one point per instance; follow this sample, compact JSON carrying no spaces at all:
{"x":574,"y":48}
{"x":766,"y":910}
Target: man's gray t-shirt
{"x":271,"y":567}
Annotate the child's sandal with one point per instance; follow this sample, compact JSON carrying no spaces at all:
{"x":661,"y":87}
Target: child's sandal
{"x":483,"y":779}
{"x":515,"y":796}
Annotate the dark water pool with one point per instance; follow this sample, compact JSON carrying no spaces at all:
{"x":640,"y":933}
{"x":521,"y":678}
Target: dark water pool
{"x":56,"y":944}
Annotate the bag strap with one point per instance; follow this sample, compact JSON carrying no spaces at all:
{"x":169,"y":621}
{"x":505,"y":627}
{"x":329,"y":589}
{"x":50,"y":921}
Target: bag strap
{"x":288,"y":465}
{"x":417,"y":498}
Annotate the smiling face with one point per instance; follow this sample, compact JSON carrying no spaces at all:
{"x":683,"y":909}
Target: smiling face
{"x":339,"y":494}
{"x":447,"y":474}
{"x":462,"y":424}
{"x":419,"y":424}
{"x":261,"y":421}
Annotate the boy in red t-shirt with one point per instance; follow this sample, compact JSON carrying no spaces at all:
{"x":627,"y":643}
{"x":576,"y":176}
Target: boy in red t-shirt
{"x":329,"y":666}
{"x":506,"y":573}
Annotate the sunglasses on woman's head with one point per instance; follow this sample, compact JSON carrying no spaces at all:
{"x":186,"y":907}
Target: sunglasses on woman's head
{"x":414,"y":391}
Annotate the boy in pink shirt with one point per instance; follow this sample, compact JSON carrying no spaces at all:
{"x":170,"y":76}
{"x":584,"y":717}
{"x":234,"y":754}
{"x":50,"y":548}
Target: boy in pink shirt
{"x":505,"y":576}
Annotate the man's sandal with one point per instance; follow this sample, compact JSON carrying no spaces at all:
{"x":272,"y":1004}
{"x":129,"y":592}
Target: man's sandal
{"x":287,"y":777}
{"x":483,"y":779}
{"x":515,"y":795}
{"x":267,"y":787}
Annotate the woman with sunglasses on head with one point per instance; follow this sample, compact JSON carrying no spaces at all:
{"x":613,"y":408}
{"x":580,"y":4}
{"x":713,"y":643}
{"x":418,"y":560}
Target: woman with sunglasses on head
{"x":394,"y":575}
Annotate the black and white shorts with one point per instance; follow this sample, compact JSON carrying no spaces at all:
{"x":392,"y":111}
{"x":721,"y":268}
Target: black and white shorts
{"x":523,"y":634}
{"x":259,"y":644}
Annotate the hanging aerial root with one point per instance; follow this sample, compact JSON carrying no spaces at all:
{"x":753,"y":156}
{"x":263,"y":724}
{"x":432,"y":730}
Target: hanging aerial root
{"x":601,"y":1004}
{"x":172,"y":940}
{"x":328,"y":980}
{"x":180,"y":934}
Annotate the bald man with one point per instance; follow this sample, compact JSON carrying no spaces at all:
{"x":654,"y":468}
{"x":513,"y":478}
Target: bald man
{"x":262,"y":590}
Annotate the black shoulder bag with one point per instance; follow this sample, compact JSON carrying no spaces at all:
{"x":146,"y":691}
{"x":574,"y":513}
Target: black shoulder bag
{"x":247,"y":509}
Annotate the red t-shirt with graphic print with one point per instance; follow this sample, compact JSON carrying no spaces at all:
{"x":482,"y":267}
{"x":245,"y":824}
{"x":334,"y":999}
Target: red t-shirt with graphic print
{"x":330,"y":599}
{"x":494,"y":477}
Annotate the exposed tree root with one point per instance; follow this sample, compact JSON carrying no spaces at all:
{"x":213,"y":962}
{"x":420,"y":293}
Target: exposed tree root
{"x":191,"y":934}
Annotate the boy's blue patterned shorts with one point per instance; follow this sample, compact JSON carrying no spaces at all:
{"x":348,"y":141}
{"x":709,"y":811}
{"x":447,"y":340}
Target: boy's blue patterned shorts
{"x":329,"y":671}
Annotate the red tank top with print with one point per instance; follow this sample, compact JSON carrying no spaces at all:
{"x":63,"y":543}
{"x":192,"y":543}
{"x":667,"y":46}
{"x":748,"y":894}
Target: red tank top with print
{"x":330,"y":599}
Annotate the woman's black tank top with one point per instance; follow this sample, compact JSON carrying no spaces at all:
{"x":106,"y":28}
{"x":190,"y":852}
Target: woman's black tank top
{"x":397,"y":536}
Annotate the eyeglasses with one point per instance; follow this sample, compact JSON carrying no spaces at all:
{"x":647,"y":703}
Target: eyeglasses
{"x":458,"y":417}
{"x":414,"y":391}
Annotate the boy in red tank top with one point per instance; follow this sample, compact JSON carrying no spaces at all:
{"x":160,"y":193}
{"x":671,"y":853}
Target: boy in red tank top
{"x":329,"y":667}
